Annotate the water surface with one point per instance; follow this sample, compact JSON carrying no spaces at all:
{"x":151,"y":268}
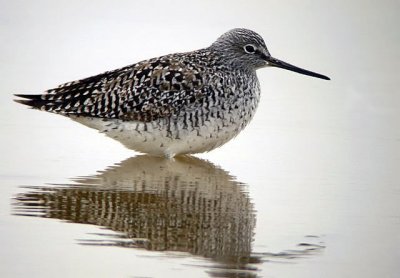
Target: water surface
{"x":185,"y":205}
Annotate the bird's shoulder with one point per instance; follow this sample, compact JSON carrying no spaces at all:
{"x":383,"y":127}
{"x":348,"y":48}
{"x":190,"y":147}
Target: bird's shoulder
{"x":163,"y":86}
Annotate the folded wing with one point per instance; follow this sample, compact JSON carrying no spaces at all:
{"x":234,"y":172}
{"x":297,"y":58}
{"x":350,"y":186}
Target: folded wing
{"x":145,"y":91}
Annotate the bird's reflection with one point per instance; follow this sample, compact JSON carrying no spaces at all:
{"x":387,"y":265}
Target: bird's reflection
{"x":186,"y":204}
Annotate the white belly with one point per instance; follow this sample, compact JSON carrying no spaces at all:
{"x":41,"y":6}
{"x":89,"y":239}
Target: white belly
{"x":156,"y":139}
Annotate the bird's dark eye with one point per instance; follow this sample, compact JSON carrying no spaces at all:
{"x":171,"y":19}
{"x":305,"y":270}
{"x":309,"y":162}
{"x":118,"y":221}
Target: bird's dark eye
{"x":249,"y":48}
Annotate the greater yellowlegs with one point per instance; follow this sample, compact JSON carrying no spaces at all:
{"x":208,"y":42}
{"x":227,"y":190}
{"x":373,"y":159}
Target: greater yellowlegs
{"x":175,"y":104}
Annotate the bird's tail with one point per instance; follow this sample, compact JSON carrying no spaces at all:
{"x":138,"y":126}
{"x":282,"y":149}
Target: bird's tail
{"x":59,"y":103}
{"x":33,"y":101}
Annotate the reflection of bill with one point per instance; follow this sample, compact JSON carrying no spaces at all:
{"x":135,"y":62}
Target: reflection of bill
{"x":186,"y":204}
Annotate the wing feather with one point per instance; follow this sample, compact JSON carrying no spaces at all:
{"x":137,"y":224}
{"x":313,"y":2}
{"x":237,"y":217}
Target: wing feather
{"x":145,"y":91}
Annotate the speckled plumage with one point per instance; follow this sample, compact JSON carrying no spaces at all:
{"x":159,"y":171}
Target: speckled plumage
{"x":175,"y":104}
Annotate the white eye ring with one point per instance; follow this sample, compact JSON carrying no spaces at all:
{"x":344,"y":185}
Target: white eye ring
{"x":249,"y":48}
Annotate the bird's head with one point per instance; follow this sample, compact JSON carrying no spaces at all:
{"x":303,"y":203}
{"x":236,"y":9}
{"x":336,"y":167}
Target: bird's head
{"x":246,"y":49}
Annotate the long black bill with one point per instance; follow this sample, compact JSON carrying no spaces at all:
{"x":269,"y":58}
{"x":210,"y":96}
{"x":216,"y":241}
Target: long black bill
{"x":281,"y":64}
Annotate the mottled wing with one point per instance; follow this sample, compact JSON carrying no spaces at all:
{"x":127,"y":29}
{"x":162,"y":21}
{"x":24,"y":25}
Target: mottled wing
{"x":144,"y":91}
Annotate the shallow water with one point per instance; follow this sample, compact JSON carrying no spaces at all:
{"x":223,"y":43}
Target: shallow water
{"x":147,"y":203}
{"x":315,"y":212}
{"x":163,"y":210}
{"x":310,"y":188}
